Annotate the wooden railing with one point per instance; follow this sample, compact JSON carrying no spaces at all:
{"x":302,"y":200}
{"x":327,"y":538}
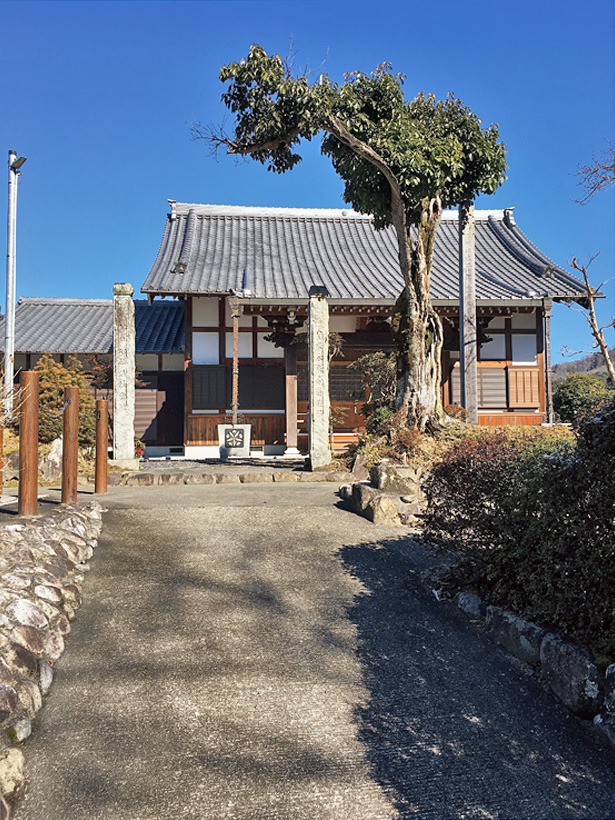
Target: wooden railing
{"x":202,"y":429}
{"x":523,"y":387}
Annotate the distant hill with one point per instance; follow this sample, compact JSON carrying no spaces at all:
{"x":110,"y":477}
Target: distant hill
{"x":593,"y":363}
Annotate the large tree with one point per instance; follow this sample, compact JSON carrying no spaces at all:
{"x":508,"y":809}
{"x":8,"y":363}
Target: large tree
{"x":402,"y":161}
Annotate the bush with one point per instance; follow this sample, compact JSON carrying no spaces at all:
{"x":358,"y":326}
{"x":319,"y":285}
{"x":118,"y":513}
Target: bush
{"x":532,"y":518}
{"x":53,"y":377}
{"x":578,"y":396}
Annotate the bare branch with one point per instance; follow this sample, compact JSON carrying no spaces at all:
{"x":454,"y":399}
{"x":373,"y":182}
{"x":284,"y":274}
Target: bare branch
{"x":590,"y":315}
{"x":597,"y":176}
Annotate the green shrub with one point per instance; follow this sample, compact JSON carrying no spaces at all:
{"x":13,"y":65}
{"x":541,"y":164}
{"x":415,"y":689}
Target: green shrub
{"x":53,"y":377}
{"x":532,"y":519}
{"x":578,"y":396}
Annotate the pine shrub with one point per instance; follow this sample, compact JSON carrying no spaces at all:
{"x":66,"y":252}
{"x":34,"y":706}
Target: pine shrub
{"x":53,"y":377}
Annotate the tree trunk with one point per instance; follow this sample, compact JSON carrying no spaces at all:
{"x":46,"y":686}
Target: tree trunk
{"x":417,"y":328}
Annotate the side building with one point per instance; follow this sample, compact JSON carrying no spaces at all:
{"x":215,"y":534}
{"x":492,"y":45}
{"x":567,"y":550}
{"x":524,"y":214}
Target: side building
{"x":84,"y":328}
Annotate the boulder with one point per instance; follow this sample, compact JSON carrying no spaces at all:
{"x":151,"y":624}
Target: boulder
{"x":381,"y":510}
{"x":8,"y":700}
{"x":138,"y":479}
{"x":609,"y":689}
{"x":387,"y":477}
{"x":606,"y":724}
{"x":521,"y":638}
{"x":360,"y":471}
{"x":50,"y":465}
{"x":227,"y":478}
{"x":361,"y":495}
{"x":572,"y":675}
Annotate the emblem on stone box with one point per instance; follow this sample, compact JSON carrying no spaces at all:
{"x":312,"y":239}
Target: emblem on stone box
{"x":233,"y":438}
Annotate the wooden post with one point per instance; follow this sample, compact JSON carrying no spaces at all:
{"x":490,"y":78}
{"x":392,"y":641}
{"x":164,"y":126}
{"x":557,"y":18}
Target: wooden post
{"x":70,"y":445}
{"x":290,"y":360}
{"x":234,"y":306}
{"x":28,"y":444}
{"x":102,"y":443}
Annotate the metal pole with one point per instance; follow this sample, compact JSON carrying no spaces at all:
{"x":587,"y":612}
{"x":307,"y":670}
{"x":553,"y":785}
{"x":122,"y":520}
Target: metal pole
{"x":28,"y":444}
{"x":70,"y":444}
{"x":102,"y":444}
{"x":11,"y":249}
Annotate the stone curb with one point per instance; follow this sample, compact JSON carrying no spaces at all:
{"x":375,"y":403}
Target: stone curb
{"x":567,"y":669}
{"x":159,"y":478}
{"x":42,"y":564}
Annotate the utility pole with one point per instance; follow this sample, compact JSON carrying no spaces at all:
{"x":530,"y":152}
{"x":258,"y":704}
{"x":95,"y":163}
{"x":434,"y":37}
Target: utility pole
{"x":11,"y":244}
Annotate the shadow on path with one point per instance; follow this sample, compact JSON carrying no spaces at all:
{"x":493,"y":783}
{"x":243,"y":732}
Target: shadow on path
{"x":453,"y":727}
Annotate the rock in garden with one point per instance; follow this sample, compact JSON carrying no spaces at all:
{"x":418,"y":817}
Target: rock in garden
{"x":19,"y":728}
{"x":8,"y":700}
{"x":29,"y":696}
{"x":606,"y":724}
{"x":45,"y":675}
{"x":362,"y":494}
{"x":48,"y":593}
{"x":20,"y":659}
{"x":27,"y":613}
{"x":12,"y":776}
{"x":30,"y":638}
{"x":360,"y":471}
{"x":572,"y":675}
{"x":381,"y":510}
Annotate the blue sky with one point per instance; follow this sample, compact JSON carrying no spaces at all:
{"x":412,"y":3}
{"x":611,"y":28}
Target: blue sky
{"x":99,"y":96}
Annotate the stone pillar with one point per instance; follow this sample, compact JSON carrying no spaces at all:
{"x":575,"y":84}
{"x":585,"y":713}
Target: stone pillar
{"x":318,"y":360}
{"x":290,"y":362}
{"x":123,"y":374}
{"x":468,"y":336}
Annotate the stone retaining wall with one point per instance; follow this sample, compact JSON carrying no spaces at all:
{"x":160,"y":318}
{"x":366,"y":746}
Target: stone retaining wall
{"x":568,"y":669}
{"x":43,"y":560}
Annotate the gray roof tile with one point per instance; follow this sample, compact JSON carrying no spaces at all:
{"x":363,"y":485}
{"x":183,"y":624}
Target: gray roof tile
{"x":86,"y":326}
{"x":205,"y":249}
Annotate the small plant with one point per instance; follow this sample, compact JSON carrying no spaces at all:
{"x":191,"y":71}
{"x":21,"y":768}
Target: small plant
{"x":139,"y":447}
{"x":456,"y":411}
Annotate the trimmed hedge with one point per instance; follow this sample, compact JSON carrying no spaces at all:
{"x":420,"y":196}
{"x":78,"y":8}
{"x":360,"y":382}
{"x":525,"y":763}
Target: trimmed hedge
{"x":533,"y":521}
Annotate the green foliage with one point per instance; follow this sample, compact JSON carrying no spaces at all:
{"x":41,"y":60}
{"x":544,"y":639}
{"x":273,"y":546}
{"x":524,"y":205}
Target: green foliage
{"x":432,"y":147}
{"x":53,"y":378}
{"x":379,"y":373}
{"x":578,"y":396}
{"x":533,"y":519}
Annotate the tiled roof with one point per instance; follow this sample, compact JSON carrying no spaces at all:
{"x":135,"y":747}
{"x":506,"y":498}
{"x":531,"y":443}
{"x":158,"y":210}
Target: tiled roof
{"x":206,"y":249}
{"x":86,"y":326}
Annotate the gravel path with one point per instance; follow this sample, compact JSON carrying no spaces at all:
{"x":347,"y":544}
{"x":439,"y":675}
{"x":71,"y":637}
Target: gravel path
{"x":255,"y":652}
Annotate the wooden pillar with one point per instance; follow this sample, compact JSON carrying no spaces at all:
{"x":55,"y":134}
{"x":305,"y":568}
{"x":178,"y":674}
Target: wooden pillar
{"x":70,"y":445}
{"x":102,"y":445}
{"x":290,"y":362}
{"x":468,"y":336}
{"x":547,"y":358}
{"x":28,"y":443}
